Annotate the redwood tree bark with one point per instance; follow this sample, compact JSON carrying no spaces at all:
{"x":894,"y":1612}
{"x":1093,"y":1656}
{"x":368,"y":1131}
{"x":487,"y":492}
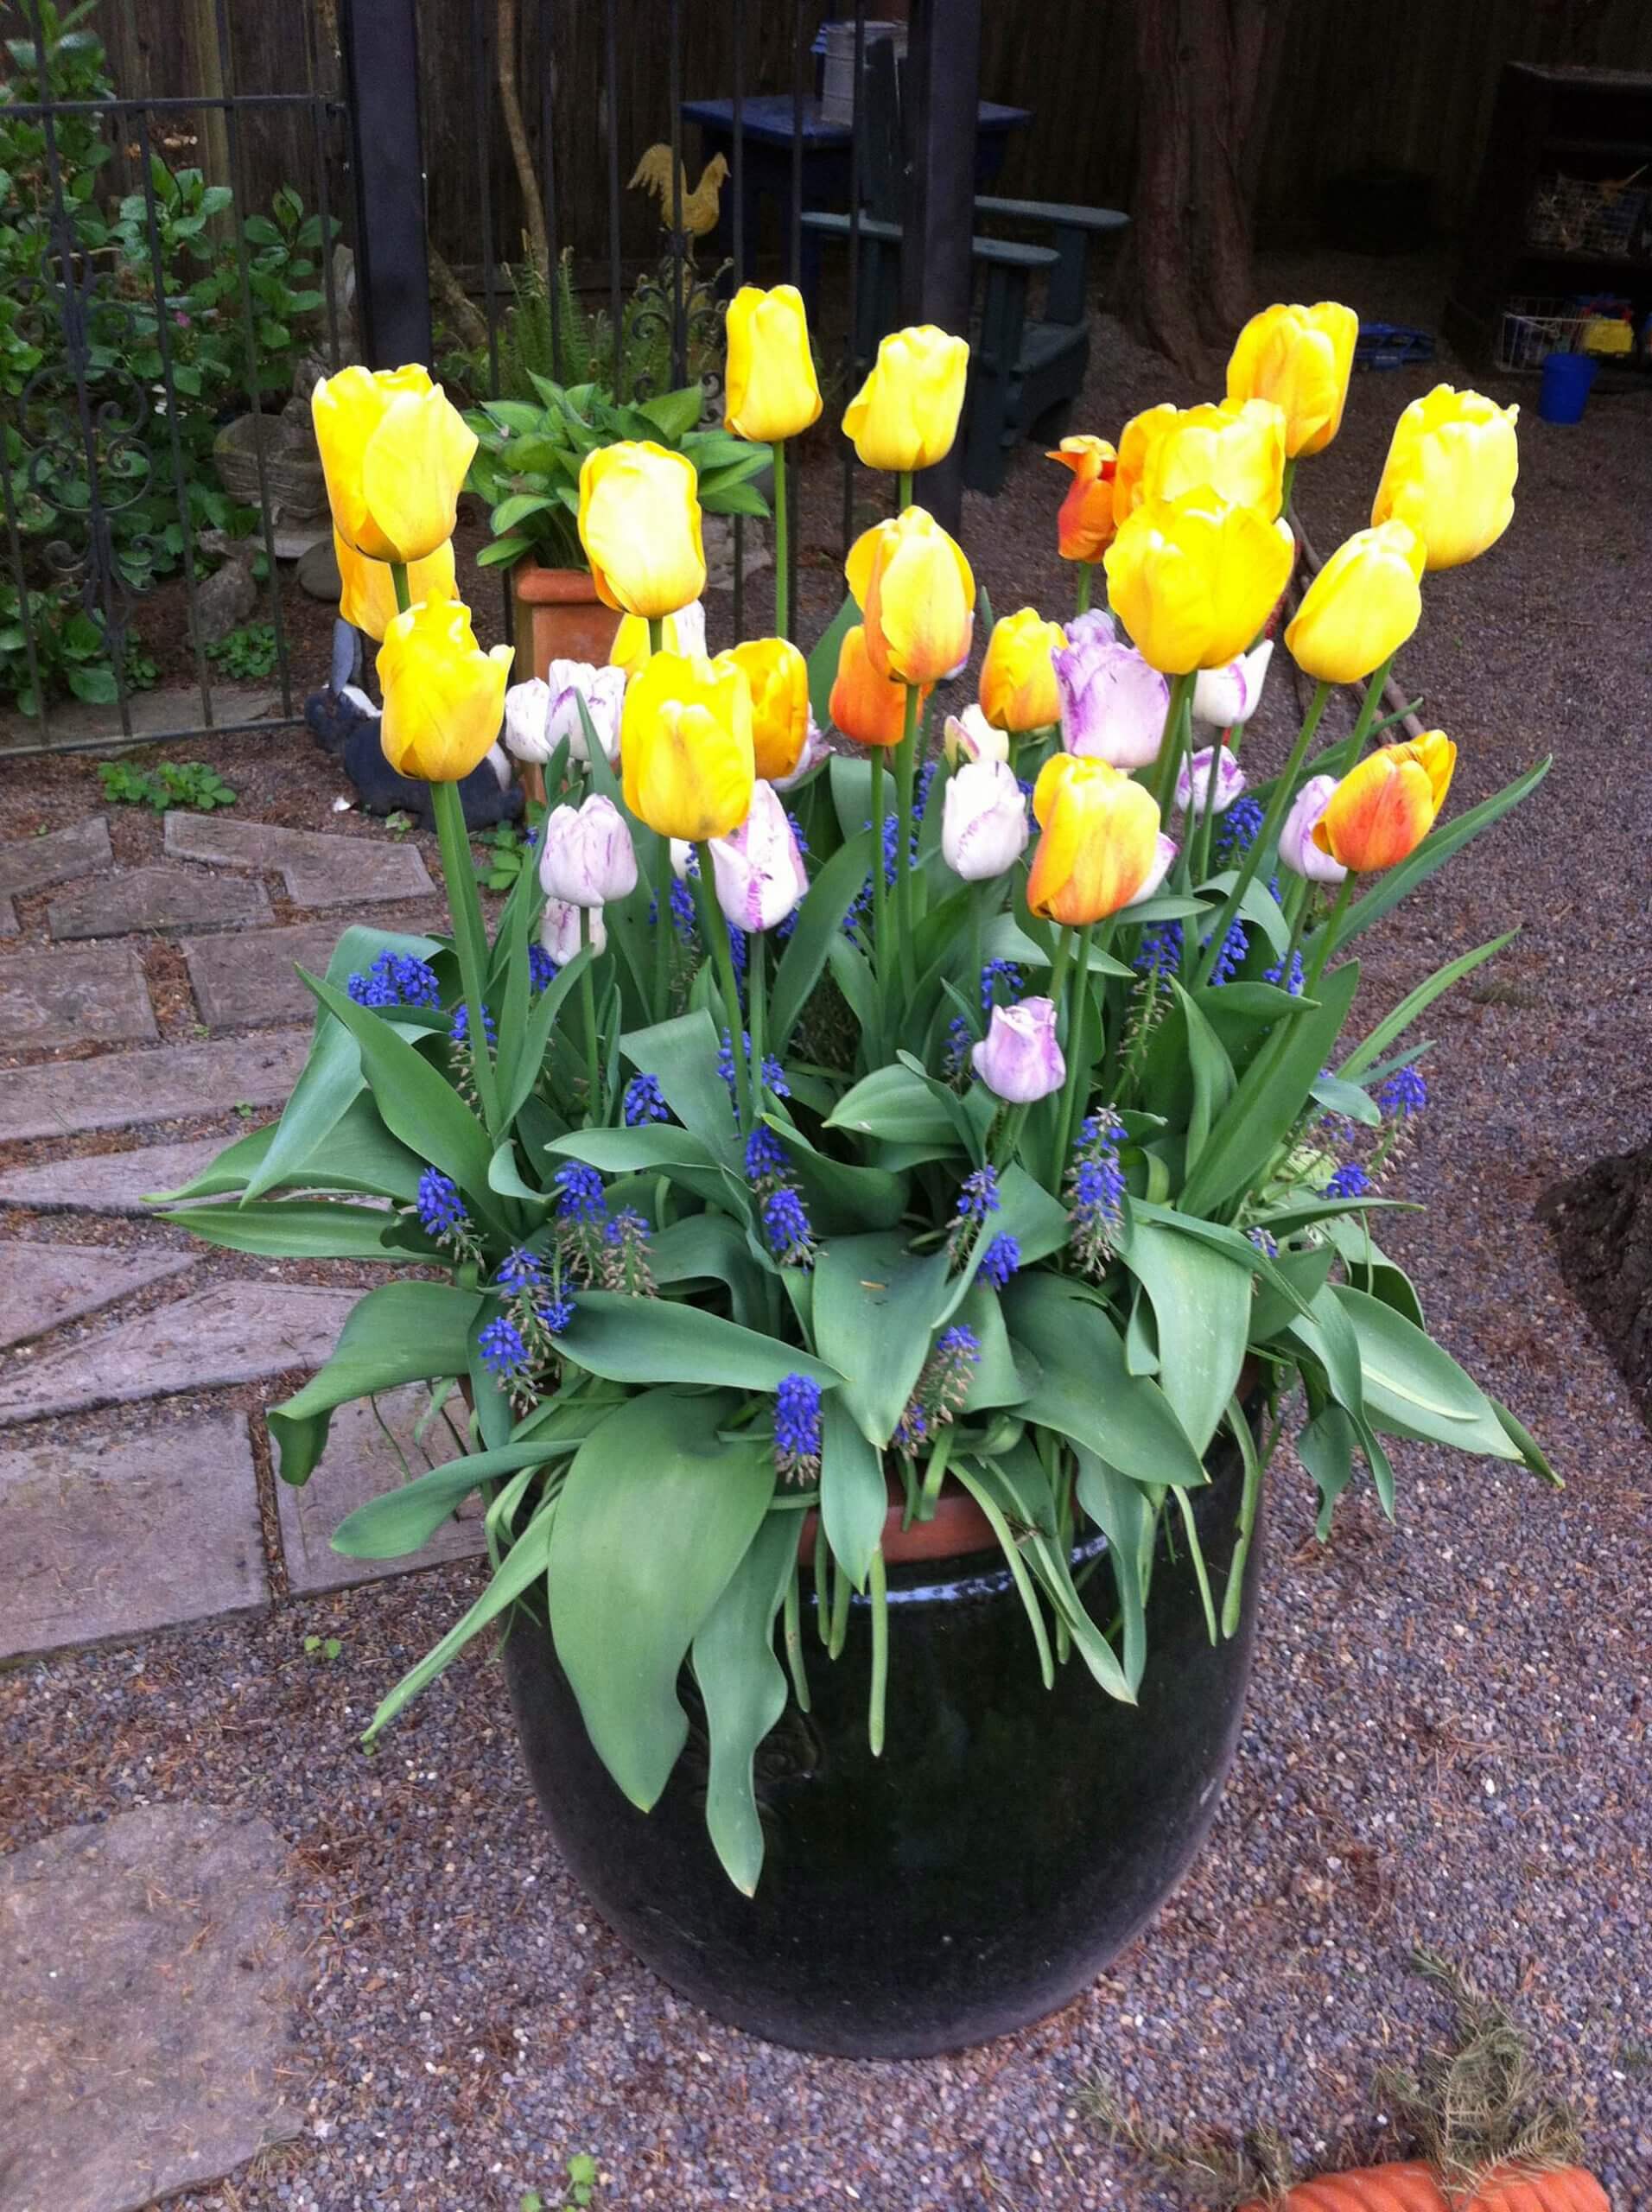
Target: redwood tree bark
{"x":1203,"y":81}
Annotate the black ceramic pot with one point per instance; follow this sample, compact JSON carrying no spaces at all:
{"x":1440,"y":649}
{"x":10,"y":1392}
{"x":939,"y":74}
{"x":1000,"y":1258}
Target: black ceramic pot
{"x":1006,"y":1845}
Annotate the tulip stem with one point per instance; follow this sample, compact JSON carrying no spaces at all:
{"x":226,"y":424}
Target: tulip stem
{"x":1284,"y":487}
{"x":400,"y":585}
{"x":903,"y":491}
{"x":782,"y":550}
{"x":587,"y":1010}
{"x":1324,"y":936}
{"x":905,"y":773}
{"x":656,"y":634}
{"x":1298,"y":925}
{"x":757,"y":1002}
{"x":469,"y":938}
{"x":1009,"y":1136}
{"x":1086,"y":579}
{"x":714,"y":931}
{"x":1265,"y":838}
{"x":1170,"y":745}
{"x":880,"y":883}
{"x":1076,"y":1069}
{"x":1368,"y":706}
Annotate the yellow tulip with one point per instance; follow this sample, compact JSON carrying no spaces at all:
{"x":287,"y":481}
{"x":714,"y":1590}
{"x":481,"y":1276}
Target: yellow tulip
{"x":1383,"y":809}
{"x":1136,"y":441}
{"x":1451,"y":474}
{"x":639,"y":523}
{"x":1236,"y":450}
{"x":1018,"y":679}
{"x":778,"y":677}
{"x":1085,"y":525}
{"x":1194,"y":579}
{"x":865,"y":706}
{"x":1299,"y":358}
{"x":1361,"y":607}
{"x":368,"y":596}
{"x":394,"y":452}
{"x":906,"y":414}
{"x":917,"y":594}
{"x":444,"y":697}
{"x":771,"y":390}
{"x":1100,"y":841}
{"x":685,"y":747}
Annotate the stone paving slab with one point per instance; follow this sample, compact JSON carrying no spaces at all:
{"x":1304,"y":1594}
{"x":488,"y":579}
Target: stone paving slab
{"x":172,"y":711}
{"x":360,"y":1464}
{"x":319,"y":870}
{"x":30,"y":863}
{"x":114,"y":1538}
{"x":156,"y":898}
{"x":109,"y":1182}
{"x":7,"y":918}
{"x":42,"y":1285}
{"x":153,"y":1966}
{"x":96,"y":994}
{"x":234,"y":1333}
{"x":241,"y":980}
{"x":123,"y":1090}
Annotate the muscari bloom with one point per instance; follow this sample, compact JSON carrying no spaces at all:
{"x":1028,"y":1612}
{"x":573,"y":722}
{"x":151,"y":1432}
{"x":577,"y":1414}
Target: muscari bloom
{"x":1349,"y":1181}
{"x":1403,"y":1093}
{"x":502,"y":1350}
{"x":796,"y":1426}
{"x":440,"y":1209}
{"x":1001,"y":1259}
{"x":395,"y":979}
{"x":1095,"y":1188}
{"x":645,"y":1102}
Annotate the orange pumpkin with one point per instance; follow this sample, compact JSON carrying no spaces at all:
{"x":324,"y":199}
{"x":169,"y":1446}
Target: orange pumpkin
{"x":1410,"y":2186}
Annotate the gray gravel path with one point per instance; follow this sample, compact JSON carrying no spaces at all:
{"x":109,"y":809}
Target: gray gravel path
{"x":1447,"y":1738}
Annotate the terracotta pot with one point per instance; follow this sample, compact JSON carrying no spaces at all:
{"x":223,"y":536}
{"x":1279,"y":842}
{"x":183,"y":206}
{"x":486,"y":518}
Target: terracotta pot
{"x":558,"y":617}
{"x":1410,"y":2186}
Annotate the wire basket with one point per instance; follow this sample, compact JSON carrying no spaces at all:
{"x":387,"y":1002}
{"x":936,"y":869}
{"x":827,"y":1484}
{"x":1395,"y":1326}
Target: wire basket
{"x":1532,"y":329}
{"x":1587,"y":214}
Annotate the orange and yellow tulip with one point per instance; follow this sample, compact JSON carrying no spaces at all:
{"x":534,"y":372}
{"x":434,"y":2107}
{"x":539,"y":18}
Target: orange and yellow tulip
{"x":1018,"y":677}
{"x":904,"y":417}
{"x":394,"y":451}
{"x":1382,"y":809}
{"x":639,"y":523}
{"x":918,"y":594}
{"x":367,"y":593}
{"x":1194,"y":579}
{"x":1361,"y":607}
{"x":1299,"y":358}
{"x":1085,"y":525}
{"x":778,"y":677}
{"x":1451,"y":474}
{"x":686,"y":762}
{"x":771,"y":390}
{"x":1099,"y":841}
{"x":865,"y":706}
{"x":444,"y":697}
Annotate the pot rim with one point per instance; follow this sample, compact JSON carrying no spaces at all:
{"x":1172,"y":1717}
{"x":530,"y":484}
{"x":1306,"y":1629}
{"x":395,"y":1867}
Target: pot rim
{"x":541,"y":587}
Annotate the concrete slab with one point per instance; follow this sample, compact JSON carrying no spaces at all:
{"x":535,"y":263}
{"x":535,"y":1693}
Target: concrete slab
{"x":153,"y":1967}
{"x":116,"y":1539}
{"x":234,"y":1333}
{"x":319,"y":870}
{"x":30,"y":863}
{"x":123,"y":1089}
{"x":242,"y":981}
{"x":110,"y":1182}
{"x":95,"y":994}
{"x":157,"y":899}
{"x":174,"y":711}
{"x":42,"y":1285}
{"x":360,"y":1463}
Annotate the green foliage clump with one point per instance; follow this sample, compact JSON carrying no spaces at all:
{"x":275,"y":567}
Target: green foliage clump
{"x":188,"y":783}
{"x":247,"y":653}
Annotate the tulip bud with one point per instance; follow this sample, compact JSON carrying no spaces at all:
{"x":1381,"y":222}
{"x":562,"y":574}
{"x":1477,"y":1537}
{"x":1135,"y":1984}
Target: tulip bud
{"x":1194,"y":579}
{"x":816,"y":751}
{"x":1100,"y":842}
{"x":1227,"y":697}
{"x":394,"y":452}
{"x":904,"y":417}
{"x":1094,"y":627}
{"x":682,"y":632}
{"x":541,"y":712}
{"x":639,"y":525}
{"x":1165,"y":854}
{"x":970,"y":736}
{"x":585,"y":855}
{"x":1451,"y":474}
{"x":1297,"y":849}
{"x":1299,"y":358}
{"x":1113,"y":705}
{"x":917,"y":594}
{"x":685,"y":748}
{"x":1382,"y":809}
{"x":444,"y":697}
{"x":758,"y":869}
{"x":559,"y":929}
{"x":1019,"y":1058}
{"x":1209,"y":783}
{"x":865,"y":706}
{"x":769,"y":383}
{"x":1085,"y":525}
{"x":1018,"y":684}
{"x":778,"y":676}
{"x":1361,"y":607}
{"x":983,"y":822}
{"x":367,"y":590}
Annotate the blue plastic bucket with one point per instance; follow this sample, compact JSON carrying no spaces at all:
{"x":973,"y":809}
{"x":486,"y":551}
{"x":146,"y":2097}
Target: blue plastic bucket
{"x":1566,"y":379}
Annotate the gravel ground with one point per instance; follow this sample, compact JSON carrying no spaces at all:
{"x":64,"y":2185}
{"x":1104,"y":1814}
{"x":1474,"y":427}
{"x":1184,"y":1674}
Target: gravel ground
{"x":1446,"y":1739}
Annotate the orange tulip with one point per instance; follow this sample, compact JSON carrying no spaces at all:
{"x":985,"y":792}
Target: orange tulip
{"x":917,"y":594}
{"x":869,"y":708}
{"x":1100,"y":841}
{"x":1085,"y":525}
{"x":1383,"y":809}
{"x":1017,"y":678}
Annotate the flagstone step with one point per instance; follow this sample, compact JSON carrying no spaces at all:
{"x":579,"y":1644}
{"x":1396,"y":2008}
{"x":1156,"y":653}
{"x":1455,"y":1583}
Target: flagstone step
{"x":109,"y":1182}
{"x":234,"y":1333}
{"x":156,"y":898}
{"x":360,"y":1463}
{"x":120,"y":1536}
{"x":94,"y":994}
{"x":43,"y":1286}
{"x":31,"y":863}
{"x":241,"y":980}
{"x":319,"y":870}
{"x":121,"y":1090}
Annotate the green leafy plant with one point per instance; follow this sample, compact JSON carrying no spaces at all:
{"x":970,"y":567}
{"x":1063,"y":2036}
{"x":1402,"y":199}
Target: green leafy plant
{"x":527,"y":467}
{"x":507,"y":854}
{"x":246,"y":654}
{"x":317,"y":1647}
{"x":70,"y":650}
{"x":190,"y":784}
{"x":580,"y":2190}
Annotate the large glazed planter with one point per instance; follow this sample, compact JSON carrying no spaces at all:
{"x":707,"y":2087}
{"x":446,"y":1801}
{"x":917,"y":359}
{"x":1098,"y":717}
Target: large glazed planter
{"x":558,"y":617}
{"x":1008,"y":1843}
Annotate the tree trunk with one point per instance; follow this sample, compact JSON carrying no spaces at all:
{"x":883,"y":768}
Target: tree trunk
{"x":1602,"y":1224}
{"x":1203,"y":83}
